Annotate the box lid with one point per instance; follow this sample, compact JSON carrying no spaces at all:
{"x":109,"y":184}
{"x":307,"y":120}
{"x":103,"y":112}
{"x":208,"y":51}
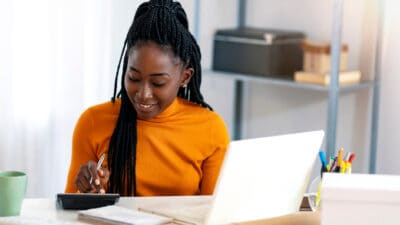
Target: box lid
{"x":266,"y":36}
{"x":360,"y":187}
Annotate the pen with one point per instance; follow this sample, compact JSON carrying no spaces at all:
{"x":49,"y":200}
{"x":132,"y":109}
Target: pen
{"x":347,"y":156}
{"x":350,"y":162}
{"x":339,"y":161}
{"x":351,"y":158}
{"x":330,"y":164}
{"x":100,"y":161}
{"x":333,"y":167}
{"x":343,"y":166}
{"x":340,"y":157}
{"x":323,"y":159}
{"x":348,"y":167}
{"x":98,"y":165}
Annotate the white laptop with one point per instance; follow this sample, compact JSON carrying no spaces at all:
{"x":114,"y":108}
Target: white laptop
{"x":260,"y":178}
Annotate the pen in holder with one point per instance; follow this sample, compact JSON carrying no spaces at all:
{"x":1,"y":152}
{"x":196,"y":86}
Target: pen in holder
{"x":335,"y":164}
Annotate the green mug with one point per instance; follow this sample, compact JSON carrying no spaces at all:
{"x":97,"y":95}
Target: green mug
{"x":12,"y":192}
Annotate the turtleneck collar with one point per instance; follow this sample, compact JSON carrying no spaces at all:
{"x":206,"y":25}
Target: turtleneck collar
{"x":168,"y":112}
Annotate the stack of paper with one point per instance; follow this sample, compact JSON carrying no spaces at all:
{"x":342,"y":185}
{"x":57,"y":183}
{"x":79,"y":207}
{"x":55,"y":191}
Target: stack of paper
{"x":119,"y":215}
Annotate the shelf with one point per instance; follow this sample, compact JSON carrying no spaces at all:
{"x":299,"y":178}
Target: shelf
{"x":287,"y":83}
{"x":332,"y":91}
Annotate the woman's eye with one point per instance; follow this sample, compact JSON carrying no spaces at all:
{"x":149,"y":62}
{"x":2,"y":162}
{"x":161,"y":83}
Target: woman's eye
{"x":133,"y":79}
{"x":158,"y":84}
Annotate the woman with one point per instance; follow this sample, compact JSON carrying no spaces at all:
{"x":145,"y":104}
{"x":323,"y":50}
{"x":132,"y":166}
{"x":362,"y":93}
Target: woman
{"x":159,"y":136}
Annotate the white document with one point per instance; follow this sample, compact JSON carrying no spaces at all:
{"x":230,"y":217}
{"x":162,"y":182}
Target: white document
{"x":190,"y":215}
{"x":119,"y":215}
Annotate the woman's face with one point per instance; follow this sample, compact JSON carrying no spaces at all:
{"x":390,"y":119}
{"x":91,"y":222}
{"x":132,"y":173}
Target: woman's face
{"x":153,"y":78}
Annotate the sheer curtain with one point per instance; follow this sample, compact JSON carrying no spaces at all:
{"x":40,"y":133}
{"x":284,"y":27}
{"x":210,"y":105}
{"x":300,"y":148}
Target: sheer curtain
{"x":57,"y":57}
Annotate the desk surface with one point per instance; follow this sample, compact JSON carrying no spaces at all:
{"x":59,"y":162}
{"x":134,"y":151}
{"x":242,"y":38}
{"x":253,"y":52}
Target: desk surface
{"x":44,"y":211}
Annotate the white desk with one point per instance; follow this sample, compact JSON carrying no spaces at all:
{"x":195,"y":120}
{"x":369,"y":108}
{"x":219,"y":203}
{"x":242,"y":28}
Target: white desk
{"x":45,"y":212}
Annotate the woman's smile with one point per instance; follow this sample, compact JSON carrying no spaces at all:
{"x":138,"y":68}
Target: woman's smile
{"x":143,"y":107}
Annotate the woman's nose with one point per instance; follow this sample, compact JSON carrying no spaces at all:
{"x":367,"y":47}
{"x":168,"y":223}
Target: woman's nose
{"x":144,"y":92}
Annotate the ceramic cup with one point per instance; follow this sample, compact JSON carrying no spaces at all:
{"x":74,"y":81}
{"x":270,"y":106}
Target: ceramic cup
{"x":12,"y":192}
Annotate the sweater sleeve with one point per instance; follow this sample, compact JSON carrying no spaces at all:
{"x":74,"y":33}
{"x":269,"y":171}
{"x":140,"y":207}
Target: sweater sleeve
{"x":83,"y":148}
{"x":212,"y":165}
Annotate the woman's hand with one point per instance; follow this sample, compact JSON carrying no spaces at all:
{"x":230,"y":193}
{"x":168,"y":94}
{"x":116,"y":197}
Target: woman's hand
{"x":92,"y":180}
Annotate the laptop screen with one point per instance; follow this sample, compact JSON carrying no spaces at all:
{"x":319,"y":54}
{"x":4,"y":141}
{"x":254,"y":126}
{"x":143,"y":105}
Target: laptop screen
{"x":264,"y":177}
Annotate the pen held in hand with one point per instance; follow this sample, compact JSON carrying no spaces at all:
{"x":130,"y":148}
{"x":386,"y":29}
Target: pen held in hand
{"x":99,"y":163}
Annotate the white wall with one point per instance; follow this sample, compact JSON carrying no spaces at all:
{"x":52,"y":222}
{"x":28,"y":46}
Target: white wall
{"x":218,"y":91}
{"x":389,"y":120}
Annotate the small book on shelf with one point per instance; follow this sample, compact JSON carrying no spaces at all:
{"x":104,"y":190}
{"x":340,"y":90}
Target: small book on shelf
{"x":345,"y":77}
{"x":115,"y":215}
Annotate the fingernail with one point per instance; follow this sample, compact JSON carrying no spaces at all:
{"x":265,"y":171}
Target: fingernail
{"x":97,"y":182}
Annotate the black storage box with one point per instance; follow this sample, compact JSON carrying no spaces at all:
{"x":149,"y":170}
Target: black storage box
{"x":263,"y":52}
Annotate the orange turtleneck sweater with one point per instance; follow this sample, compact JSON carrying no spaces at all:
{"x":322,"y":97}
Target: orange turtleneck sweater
{"x":179,"y":152}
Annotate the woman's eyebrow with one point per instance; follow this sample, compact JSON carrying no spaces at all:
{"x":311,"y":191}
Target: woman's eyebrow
{"x":134,"y":69}
{"x":159,"y":74}
{"x":153,"y":74}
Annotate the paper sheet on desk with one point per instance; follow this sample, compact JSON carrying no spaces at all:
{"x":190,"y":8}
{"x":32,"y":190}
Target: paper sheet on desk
{"x":188,"y":214}
{"x":119,"y":215}
{"x":25,"y":220}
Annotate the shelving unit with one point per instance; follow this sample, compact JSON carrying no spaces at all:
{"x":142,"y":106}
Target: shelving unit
{"x":288,"y":83}
{"x":333,"y":90}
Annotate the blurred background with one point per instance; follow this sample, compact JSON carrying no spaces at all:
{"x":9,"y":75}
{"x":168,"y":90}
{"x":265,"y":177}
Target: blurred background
{"x":58,"y":57}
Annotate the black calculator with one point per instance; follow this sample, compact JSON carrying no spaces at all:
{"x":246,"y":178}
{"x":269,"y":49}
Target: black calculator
{"x":85,"y":201}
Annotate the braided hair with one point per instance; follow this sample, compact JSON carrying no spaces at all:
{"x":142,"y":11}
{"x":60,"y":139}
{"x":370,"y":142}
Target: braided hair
{"x":163,"y":22}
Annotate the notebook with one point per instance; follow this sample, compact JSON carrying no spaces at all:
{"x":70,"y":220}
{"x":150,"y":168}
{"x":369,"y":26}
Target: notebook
{"x":260,"y":178}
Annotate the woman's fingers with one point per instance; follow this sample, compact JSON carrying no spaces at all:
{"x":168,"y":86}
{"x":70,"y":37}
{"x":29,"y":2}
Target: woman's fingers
{"x":91,"y":166}
{"x":104,"y":175}
{"x":82,"y":186}
{"x":85,"y":177}
{"x":92,"y":180}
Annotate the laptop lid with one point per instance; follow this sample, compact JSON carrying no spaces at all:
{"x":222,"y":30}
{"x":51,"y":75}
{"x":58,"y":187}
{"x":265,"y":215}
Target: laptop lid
{"x":264,"y":177}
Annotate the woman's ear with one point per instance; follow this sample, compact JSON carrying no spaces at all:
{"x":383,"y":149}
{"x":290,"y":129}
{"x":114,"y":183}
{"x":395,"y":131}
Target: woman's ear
{"x":187,"y":75}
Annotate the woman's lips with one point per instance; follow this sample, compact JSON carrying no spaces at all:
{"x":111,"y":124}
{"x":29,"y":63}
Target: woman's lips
{"x":145,"y":107}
